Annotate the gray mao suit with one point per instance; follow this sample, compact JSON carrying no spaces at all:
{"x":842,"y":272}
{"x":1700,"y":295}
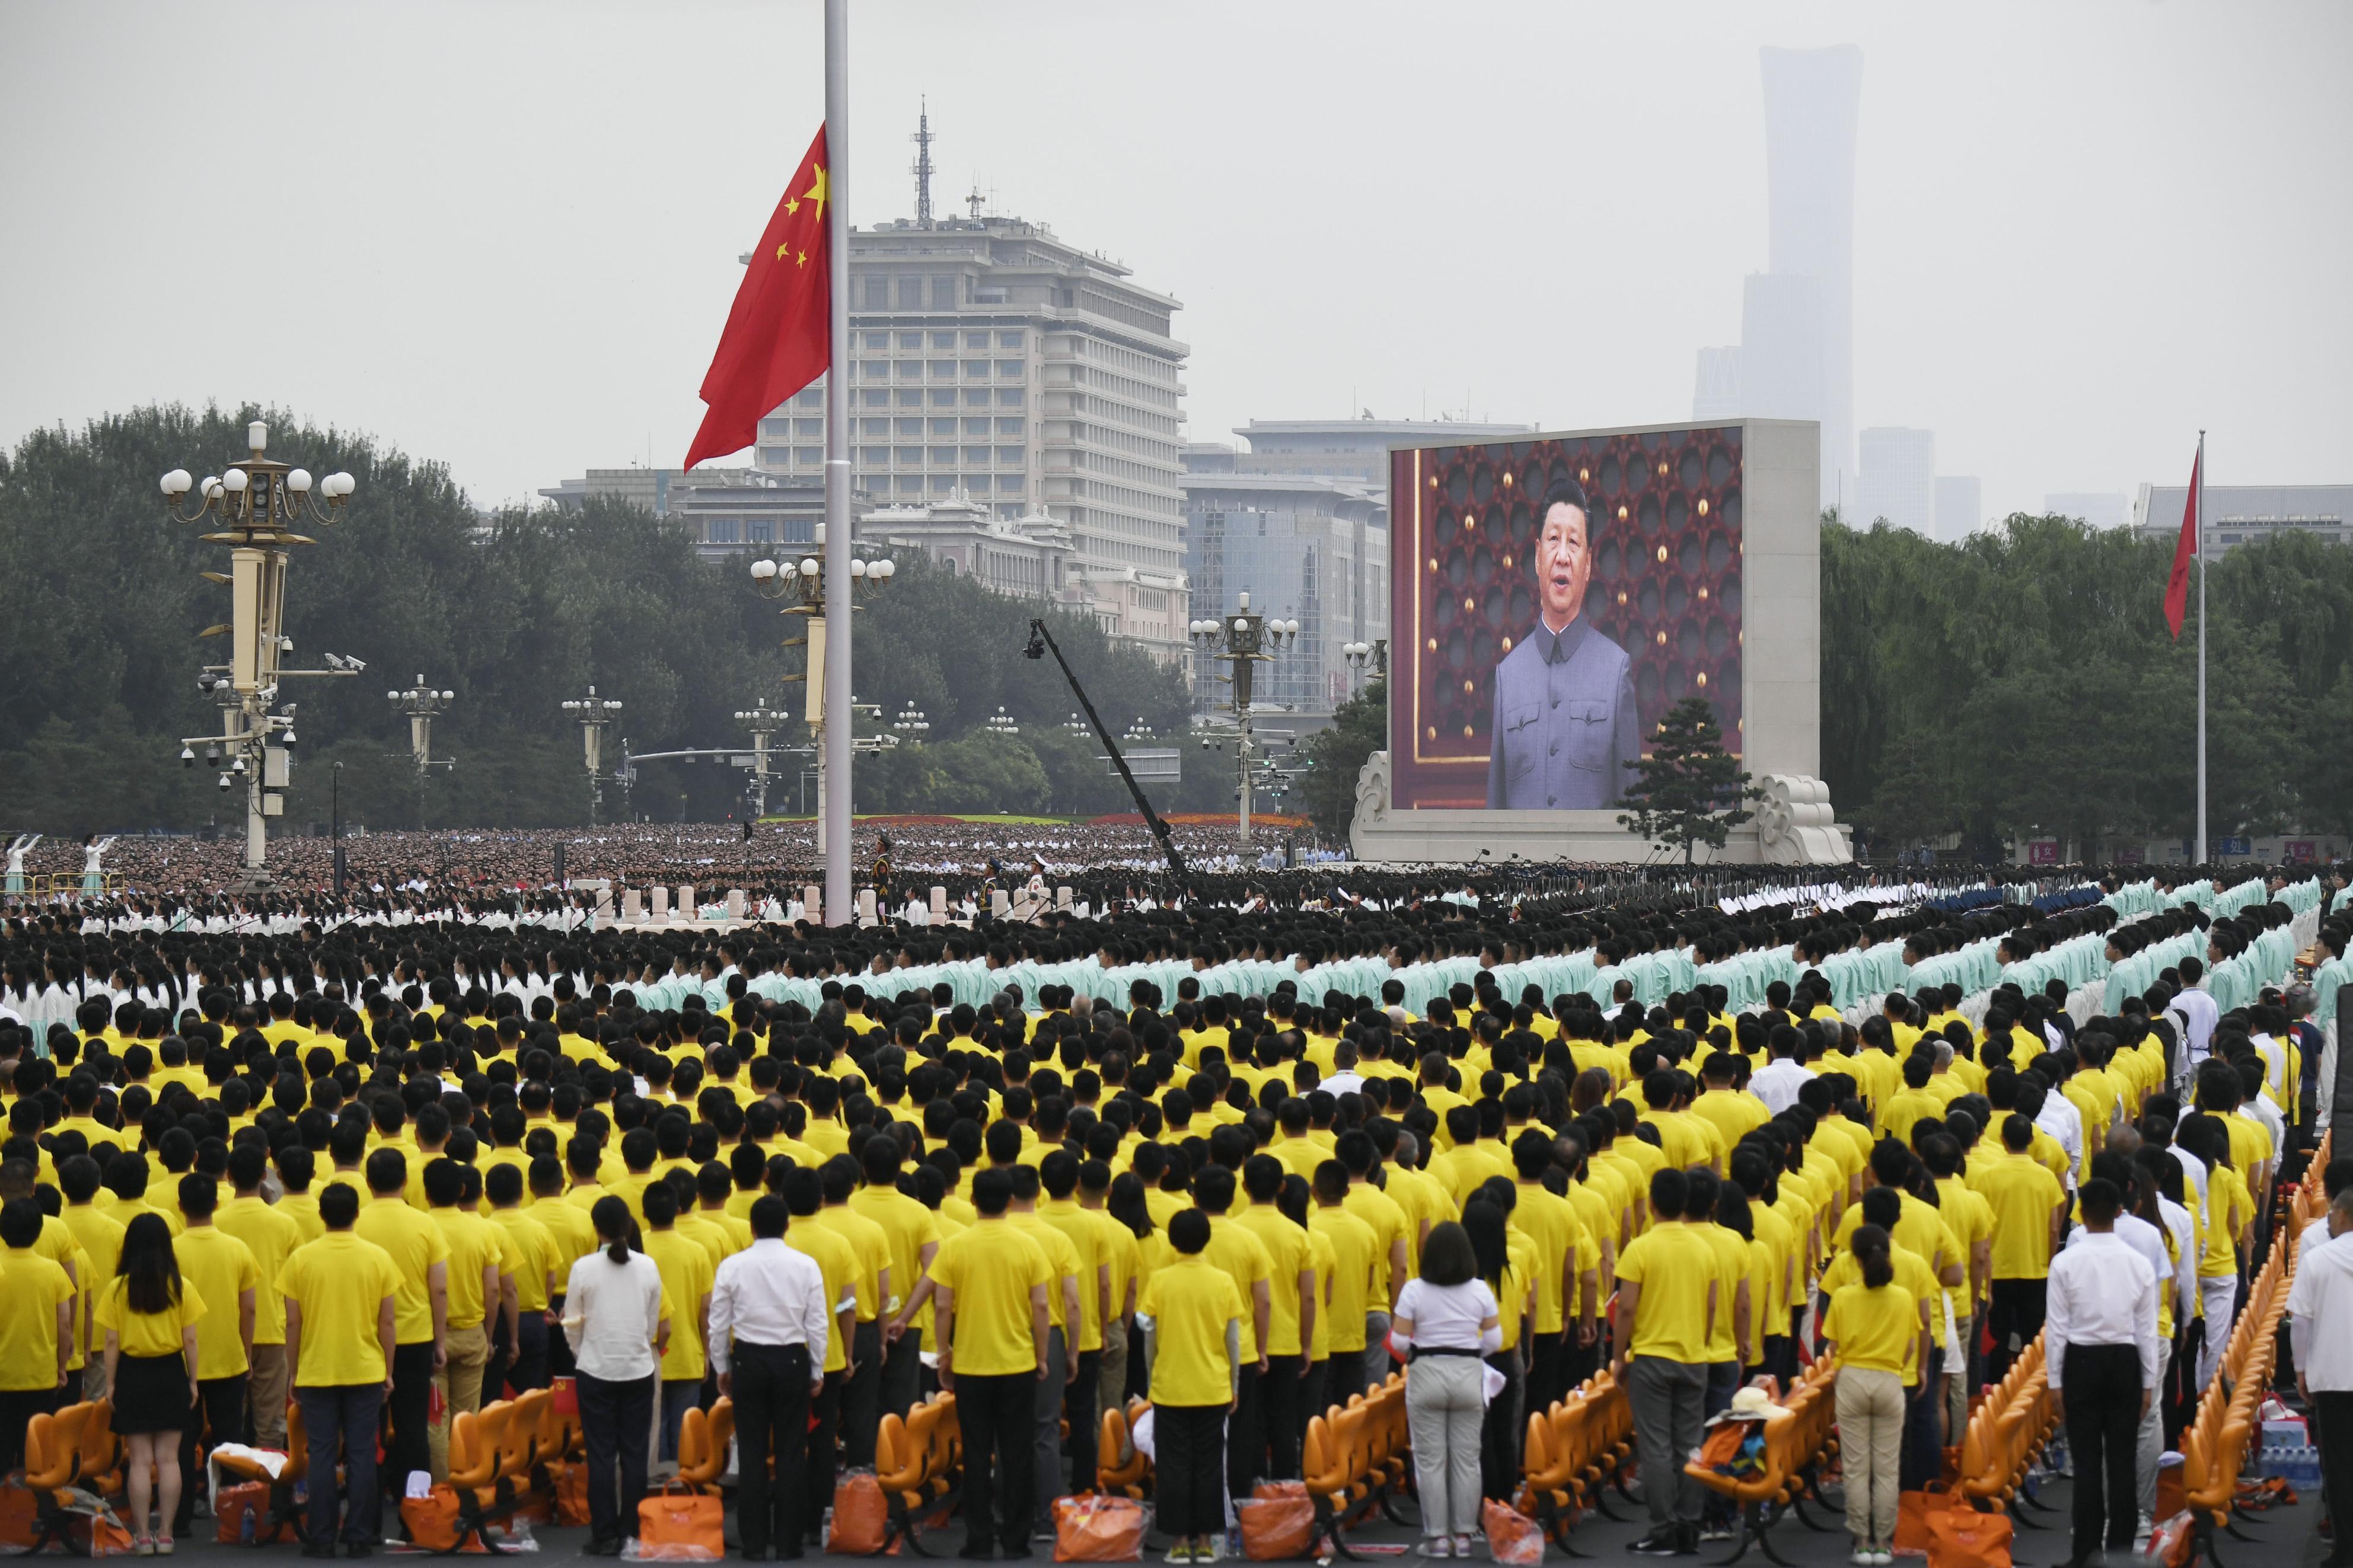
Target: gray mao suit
{"x":1565,"y":723}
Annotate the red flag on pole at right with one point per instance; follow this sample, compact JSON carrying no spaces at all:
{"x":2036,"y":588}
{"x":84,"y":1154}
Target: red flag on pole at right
{"x":2176,"y":587}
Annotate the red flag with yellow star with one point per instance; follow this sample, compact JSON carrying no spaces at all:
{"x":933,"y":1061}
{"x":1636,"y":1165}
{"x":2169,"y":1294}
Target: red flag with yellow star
{"x":778,"y":337}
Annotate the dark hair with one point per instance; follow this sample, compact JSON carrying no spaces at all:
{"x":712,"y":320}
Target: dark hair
{"x":1447,"y":1258}
{"x":611,"y":1218}
{"x":339,"y":1205}
{"x":1483,"y":1223}
{"x":1189,"y":1231}
{"x":1870,"y":1249}
{"x":1567,"y":491}
{"x":149,"y":1264}
{"x":2101,"y":1201}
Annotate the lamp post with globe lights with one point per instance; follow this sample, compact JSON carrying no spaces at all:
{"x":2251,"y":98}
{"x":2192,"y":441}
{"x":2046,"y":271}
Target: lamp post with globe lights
{"x":799,"y":586}
{"x":595,"y":715}
{"x":763,"y":721}
{"x":255,"y":506}
{"x":421,"y":702}
{"x":912,"y":723}
{"x":1372,"y":656}
{"x":1243,"y":640}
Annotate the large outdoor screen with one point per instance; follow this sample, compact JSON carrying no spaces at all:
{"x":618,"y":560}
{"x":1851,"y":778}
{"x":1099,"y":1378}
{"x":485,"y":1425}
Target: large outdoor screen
{"x":1551,"y":598}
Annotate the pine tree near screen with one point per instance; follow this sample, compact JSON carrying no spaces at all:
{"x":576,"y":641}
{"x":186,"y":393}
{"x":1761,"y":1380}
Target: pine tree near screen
{"x":1689,"y":791}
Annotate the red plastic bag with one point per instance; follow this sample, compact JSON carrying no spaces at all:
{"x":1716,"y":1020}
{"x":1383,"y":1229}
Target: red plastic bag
{"x":2170,"y":1544}
{"x":862,"y":1519}
{"x":1512,"y":1536}
{"x":1276,"y":1530}
{"x":1094,"y":1529}
{"x":1963,"y":1538}
{"x":243,"y":1515}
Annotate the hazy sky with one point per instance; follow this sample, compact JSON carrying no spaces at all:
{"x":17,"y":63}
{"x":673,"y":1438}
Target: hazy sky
{"x":504,"y":235}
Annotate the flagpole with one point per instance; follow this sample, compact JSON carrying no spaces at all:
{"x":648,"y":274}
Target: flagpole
{"x":2200,"y":502}
{"x":839,"y":720}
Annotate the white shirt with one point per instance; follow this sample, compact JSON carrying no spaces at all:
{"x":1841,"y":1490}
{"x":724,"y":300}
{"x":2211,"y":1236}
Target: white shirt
{"x":2060,"y":1118}
{"x":2193,"y":1170}
{"x":2185,"y":1261}
{"x":1776,"y":1083}
{"x":2142,"y":1237}
{"x":768,"y":1294}
{"x":612,"y":1312}
{"x":2101,"y":1293}
{"x":1446,"y":1315}
{"x":2320,"y":1311}
{"x":2200,"y":1011}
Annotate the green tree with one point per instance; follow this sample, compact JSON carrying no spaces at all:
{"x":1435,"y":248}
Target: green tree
{"x":1915,"y":801}
{"x":1689,"y":790}
{"x":1360,"y":726}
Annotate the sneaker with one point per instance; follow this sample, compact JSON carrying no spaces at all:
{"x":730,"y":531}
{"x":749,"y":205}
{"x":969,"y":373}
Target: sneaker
{"x":1437,"y":1546}
{"x":1708,"y":1532}
{"x":1660,"y":1542}
{"x":1463,"y":1547}
{"x":1883,"y":1557}
{"x":1862,"y":1557}
{"x":1179,"y":1551}
{"x":1210,"y":1551}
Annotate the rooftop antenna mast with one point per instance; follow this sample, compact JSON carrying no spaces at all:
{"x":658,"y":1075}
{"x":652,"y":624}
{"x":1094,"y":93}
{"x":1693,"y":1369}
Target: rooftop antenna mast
{"x":922,"y":167}
{"x":975,"y":200}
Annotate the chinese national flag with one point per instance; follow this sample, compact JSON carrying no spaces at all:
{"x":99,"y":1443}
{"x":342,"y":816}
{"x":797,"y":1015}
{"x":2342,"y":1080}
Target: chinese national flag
{"x":778,"y":335}
{"x":2176,"y":587}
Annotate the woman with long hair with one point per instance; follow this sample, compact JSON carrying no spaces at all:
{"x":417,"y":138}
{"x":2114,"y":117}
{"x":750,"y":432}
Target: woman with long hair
{"x":150,"y":1316}
{"x":1875,"y":1327}
{"x":1446,"y":1321}
{"x":613,"y":1320}
{"x":1507,"y":1266}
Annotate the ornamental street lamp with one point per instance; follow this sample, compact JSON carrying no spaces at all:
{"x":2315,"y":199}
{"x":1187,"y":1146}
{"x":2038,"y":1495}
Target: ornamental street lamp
{"x":912,"y":723}
{"x":1242,"y":639}
{"x":1001,"y":723}
{"x":595,"y":715}
{"x":800,"y":587}
{"x":763,"y":721}
{"x":1361,"y":656}
{"x":254,"y":505}
{"x":421,"y":702}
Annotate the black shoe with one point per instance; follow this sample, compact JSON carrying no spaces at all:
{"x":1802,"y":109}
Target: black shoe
{"x":608,"y":1548}
{"x":979,"y":1553}
{"x":312,"y":1549}
{"x":1662,"y":1543}
{"x":358,"y":1549}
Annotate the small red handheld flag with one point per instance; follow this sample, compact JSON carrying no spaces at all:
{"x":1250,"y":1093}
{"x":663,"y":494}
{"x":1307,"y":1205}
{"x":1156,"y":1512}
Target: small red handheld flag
{"x":2176,"y":587}
{"x":778,"y":337}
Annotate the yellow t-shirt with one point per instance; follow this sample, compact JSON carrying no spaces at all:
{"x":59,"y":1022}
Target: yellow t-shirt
{"x":991,"y":1270}
{"x":2022,"y":1195}
{"x":1085,"y":1234}
{"x":1357,"y":1263}
{"x":215,"y":1266}
{"x":687,"y":1272}
{"x":28,"y":1329}
{"x":574,"y":1233}
{"x":475,"y":1244}
{"x":1674,"y":1264}
{"x":338,"y":1284}
{"x":1060,"y":1254}
{"x":271,"y":1238}
{"x":1912,"y":1275}
{"x":532,"y":1254}
{"x":870,"y":1244}
{"x":1191,"y":1304}
{"x":303,"y":1208}
{"x":1389,"y":1223}
{"x":1288,"y":1256}
{"x":154,"y":1334}
{"x":839,"y":1265}
{"x":1874,"y":1330}
{"x":1551,"y":1224}
{"x":910,"y":1227}
{"x":415,"y":1244}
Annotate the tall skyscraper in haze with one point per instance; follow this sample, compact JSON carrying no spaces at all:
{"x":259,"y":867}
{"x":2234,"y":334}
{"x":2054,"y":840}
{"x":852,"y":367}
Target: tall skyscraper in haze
{"x":1796,"y":356}
{"x":1898,"y":479}
{"x":1960,"y":507}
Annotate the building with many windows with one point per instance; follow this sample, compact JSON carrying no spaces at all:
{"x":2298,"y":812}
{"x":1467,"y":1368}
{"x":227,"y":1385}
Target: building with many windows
{"x":1025,"y":557}
{"x":732,"y":511}
{"x":1898,"y":481}
{"x":2243,"y":514}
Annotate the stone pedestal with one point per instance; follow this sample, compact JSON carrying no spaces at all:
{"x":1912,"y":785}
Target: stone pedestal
{"x":866,"y":906}
{"x":684,"y":904}
{"x":633,"y":905}
{"x":734,"y":904}
{"x":939,"y":903}
{"x":661,"y":910}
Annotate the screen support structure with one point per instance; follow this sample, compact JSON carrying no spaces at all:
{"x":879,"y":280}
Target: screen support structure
{"x":1042,"y":643}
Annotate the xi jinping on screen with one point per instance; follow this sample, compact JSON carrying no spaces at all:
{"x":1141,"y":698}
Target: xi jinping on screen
{"x":1565,"y":723}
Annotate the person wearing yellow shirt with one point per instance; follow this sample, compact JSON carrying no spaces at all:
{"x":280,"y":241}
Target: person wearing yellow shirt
{"x":98,"y":1236}
{"x":1567,"y":1285}
{"x":878,"y":1287}
{"x":1064,"y":1323}
{"x":1359,"y":1270}
{"x":1194,"y":1309}
{"x":1390,"y":1226}
{"x":687,"y":1274}
{"x":149,"y":1312}
{"x":298,"y":1202}
{"x":1058,"y":1176}
{"x":220,"y":1268}
{"x":990,"y":1282}
{"x":421,"y":1252}
{"x":36,"y":1332}
{"x":1467,"y":1162}
{"x":804,"y":1193}
{"x":476,"y":1275}
{"x":540,"y":1265}
{"x":1668,"y":1295}
{"x":914,"y":1235}
{"x":1731,"y":1112}
{"x":344,"y":1291}
{"x":1878,"y":1329}
{"x":2028,"y":1205}
{"x":271,"y":1238}
{"x":1911,"y":1102}
{"x":1123,"y":1258}
{"x":1267,"y":1428}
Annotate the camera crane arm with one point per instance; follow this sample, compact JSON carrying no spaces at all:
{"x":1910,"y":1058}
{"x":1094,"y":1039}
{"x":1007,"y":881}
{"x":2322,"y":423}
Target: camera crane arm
{"x":1042,"y":642}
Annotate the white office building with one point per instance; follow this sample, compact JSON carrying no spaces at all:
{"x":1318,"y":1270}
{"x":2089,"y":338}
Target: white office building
{"x":1897,"y":484}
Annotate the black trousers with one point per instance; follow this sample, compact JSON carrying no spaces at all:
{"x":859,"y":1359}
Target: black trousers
{"x":2332,"y":1411}
{"x":1271,"y":1431}
{"x":862,"y":1398}
{"x":2101,"y":1397}
{"x":1246,"y":1433}
{"x":2015,"y":1308}
{"x":1079,"y":1414}
{"x":518,"y":1361}
{"x":412,"y":1394}
{"x":1315,"y":1392}
{"x":616,"y":1418}
{"x":824,"y":1453}
{"x":1502,"y":1429}
{"x":17,"y":1408}
{"x":340,"y":1422}
{"x":1189,"y":1467}
{"x":771,"y":1405}
{"x":997,"y":1416}
{"x":903,"y":1374}
{"x":220,"y":1402}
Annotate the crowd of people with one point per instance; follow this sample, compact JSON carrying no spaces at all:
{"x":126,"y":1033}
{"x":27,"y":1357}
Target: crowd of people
{"x":1241,"y":1155}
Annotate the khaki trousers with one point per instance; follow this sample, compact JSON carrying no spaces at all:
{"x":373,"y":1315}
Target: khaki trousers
{"x":459,"y":1382}
{"x":264,"y":1392}
{"x":1870,"y":1445}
